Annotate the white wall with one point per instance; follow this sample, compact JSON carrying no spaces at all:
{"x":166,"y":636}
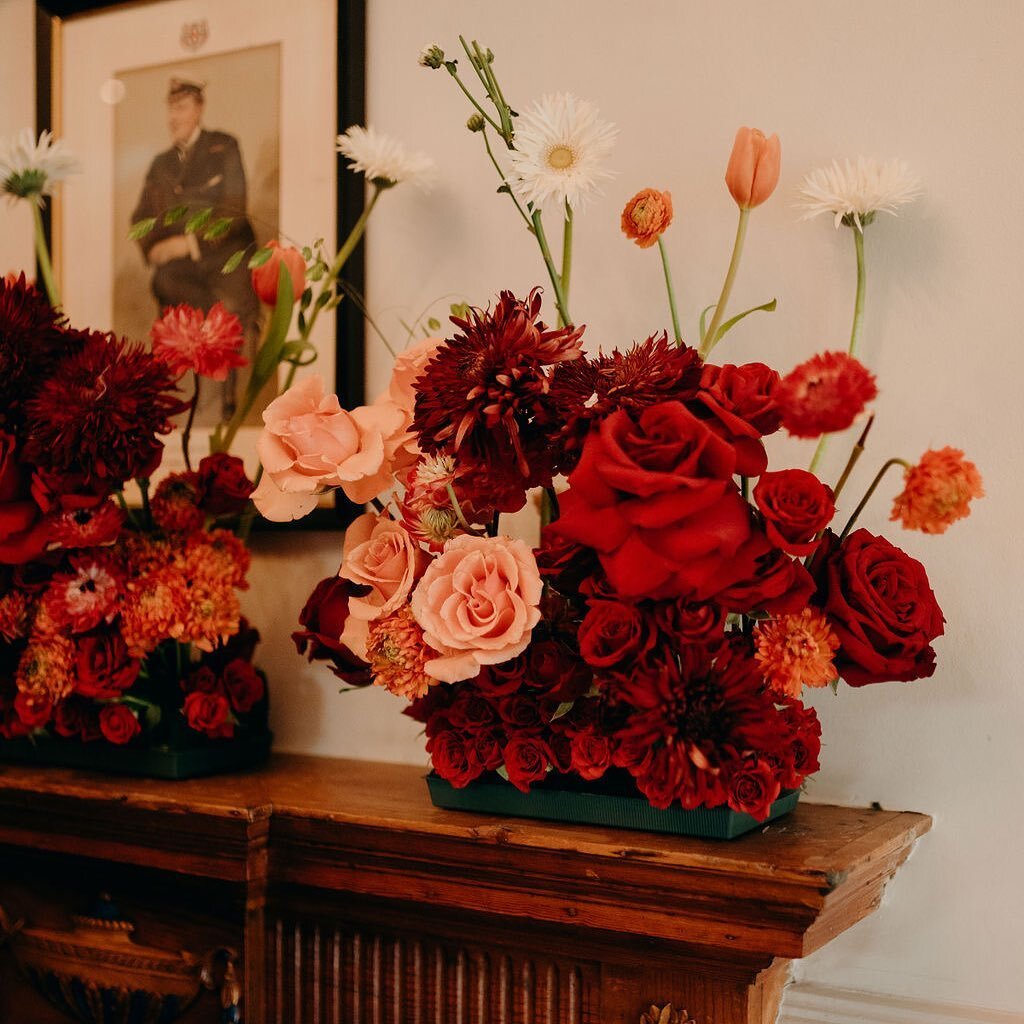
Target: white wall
{"x":938,"y":83}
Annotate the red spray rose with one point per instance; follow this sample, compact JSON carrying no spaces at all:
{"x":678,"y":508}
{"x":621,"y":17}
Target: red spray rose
{"x":223,"y":484}
{"x":33,"y":711}
{"x":612,"y":632}
{"x":103,"y":668}
{"x":591,"y":754}
{"x":209,"y":713}
{"x":795,"y":505}
{"x":453,"y":759}
{"x":323,"y":620}
{"x":690,"y":621}
{"x":73,"y":718}
{"x":243,"y":684}
{"x":882,"y":608}
{"x":555,"y":672}
{"x":526,"y":760}
{"x":119,"y":724}
{"x":753,"y":788}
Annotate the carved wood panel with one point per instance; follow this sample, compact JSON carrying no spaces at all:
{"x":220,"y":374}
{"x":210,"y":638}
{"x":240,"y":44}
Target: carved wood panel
{"x":341,"y":974}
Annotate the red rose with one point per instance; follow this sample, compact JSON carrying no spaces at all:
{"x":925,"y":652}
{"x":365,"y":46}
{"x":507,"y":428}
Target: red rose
{"x":223,"y":484}
{"x":34,"y":712}
{"x":103,"y":667}
{"x":612,"y":632}
{"x":554,"y":672}
{"x":23,"y":532}
{"x":244,"y":685}
{"x":471,"y":712}
{"x":453,"y":759}
{"x":265,"y":277}
{"x":485,"y":748}
{"x":753,"y":788}
{"x":656,"y":499}
{"x":795,"y":505}
{"x":119,"y":724}
{"x":800,"y":758}
{"x":72,"y":717}
{"x":202,"y":680}
{"x":741,"y":404}
{"x":881,"y":606}
{"x":526,"y":760}
{"x":690,"y":621}
{"x":323,"y":619}
{"x":591,"y":754}
{"x":504,"y":679}
{"x":209,"y":713}
{"x":525,"y":713}
{"x":779,"y":585}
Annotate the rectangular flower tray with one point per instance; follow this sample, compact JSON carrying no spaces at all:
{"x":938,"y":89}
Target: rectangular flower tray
{"x":581,"y":803}
{"x":165,"y":762}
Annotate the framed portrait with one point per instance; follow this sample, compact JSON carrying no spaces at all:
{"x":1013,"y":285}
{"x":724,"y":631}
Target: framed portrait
{"x":227,"y":105}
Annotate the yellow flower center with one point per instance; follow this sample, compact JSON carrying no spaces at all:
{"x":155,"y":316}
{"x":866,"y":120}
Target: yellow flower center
{"x":561,"y":157}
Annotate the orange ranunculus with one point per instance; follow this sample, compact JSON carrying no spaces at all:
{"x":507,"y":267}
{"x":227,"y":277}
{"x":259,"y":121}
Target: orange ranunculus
{"x":937,"y":491}
{"x":265,"y":277}
{"x":753,"y":170}
{"x":646,"y":216}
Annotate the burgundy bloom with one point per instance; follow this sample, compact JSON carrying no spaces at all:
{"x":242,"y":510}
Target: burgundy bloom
{"x":323,"y":620}
{"x":223,"y":484}
{"x":243,"y":684}
{"x":175,"y":503}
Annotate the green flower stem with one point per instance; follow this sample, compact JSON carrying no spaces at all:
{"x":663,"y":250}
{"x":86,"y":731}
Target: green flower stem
{"x":676,"y":332}
{"x":858,"y":304}
{"x":472,"y":99}
{"x":43,"y":256}
{"x":508,"y":188}
{"x":858,"y":450}
{"x":494,"y":91}
{"x":566,"y":255}
{"x":871,"y":490}
{"x":708,"y":341}
{"x":186,"y":434}
{"x":556,"y":280}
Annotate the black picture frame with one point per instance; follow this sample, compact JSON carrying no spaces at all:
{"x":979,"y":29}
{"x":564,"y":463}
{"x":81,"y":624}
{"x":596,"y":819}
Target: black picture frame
{"x":350,"y":77}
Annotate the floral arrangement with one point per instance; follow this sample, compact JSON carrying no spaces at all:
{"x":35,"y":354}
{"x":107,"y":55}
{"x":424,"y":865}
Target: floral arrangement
{"x":122,"y":622}
{"x":683,"y":593}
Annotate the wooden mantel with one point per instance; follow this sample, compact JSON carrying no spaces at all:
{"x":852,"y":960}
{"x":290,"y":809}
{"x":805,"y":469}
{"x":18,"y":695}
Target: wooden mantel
{"x":354,"y":899}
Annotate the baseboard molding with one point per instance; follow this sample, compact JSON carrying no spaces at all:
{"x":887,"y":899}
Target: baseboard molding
{"x":810,"y":1003}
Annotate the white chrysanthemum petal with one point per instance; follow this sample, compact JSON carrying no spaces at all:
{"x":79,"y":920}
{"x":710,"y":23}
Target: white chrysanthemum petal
{"x":855,"y":190}
{"x":560,"y":148}
{"x":384,"y":159}
{"x":31,"y":168}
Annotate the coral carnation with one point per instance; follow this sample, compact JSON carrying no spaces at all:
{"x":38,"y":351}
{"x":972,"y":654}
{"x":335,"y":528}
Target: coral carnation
{"x":796,"y":651}
{"x":207,"y":343}
{"x":398,"y":654}
{"x":824,"y":394}
{"x":937,"y":491}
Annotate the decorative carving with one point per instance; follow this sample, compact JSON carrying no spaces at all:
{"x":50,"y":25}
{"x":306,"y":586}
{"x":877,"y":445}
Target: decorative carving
{"x":665,"y":1015}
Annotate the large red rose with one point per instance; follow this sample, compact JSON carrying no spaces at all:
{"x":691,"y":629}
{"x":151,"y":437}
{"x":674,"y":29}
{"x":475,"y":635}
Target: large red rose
{"x":612,"y":632}
{"x":881,"y":605}
{"x":655,"y":497}
{"x":323,"y":620}
{"x":795,"y":505}
{"x":753,"y":788}
{"x":103,"y":667}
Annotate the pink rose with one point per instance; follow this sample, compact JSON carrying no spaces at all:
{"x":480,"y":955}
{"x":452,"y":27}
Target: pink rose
{"x":379,"y":554}
{"x":309,"y":443}
{"x":409,"y":364}
{"x":477,"y":604}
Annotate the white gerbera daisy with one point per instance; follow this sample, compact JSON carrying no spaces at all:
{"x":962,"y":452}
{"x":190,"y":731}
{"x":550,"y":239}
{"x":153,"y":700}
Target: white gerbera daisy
{"x":560,"y":146}
{"x":30,"y":169}
{"x":855,"y":192}
{"x":382,"y":159}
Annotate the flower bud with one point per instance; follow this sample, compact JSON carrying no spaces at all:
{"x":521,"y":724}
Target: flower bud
{"x":265,"y":277}
{"x":753,"y":170}
{"x":476,"y":123}
{"x":431,"y":57}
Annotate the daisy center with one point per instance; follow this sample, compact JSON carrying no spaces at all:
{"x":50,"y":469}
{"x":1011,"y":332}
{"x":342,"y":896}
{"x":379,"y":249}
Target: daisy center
{"x":561,"y":157}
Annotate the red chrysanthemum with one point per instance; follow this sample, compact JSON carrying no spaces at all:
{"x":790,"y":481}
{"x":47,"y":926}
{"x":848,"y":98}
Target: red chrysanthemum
{"x":824,"y":394}
{"x":98,"y":414}
{"x":482,"y":395}
{"x":207,"y":343}
{"x":87,"y":527}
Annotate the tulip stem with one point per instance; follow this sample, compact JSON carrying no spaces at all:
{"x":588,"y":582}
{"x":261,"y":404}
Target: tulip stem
{"x":708,"y":341}
{"x":676,"y":332}
{"x":43,"y":257}
{"x":858,"y":305}
{"x":871,"y":490}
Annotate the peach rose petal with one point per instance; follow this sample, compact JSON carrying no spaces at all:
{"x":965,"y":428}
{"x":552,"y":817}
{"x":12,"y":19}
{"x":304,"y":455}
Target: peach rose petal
{"x":278,"y":506}
{"x":380,"y":554}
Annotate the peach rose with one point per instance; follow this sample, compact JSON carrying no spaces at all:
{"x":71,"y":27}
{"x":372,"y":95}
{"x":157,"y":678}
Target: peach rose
{"x":647,"y":216}
{"x":477,"y":604}
{"x":379,"y":554}
{"x":309,"y":443}
{"x":409,"y":364}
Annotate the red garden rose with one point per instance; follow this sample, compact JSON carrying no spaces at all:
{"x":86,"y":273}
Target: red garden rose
{"x":753,"y":788}
{"x":612,"y":632}
{"x":119,"y":724}
{"x":209,"y":713}
{"x":103,"y":668}
{"x":243,"y":684}
{"x":471,"y":712}
{"x":485,"y":748}
{"x":694,"y":622}
{"x":656,"y":499}
{"x":223,"y":484}
{"x":796,"y":505}
{"x":882,"y":608}
{"x":554,"y":672}
{"x":453,"y":759}
{"x":591,"y":754}
{"x":526,"y":760}
{"x":801,"y":756}
{"x":504,"y":679}
{"x":323,"y":620}
{"x":778,"y":585}
{"x":203,"y":680}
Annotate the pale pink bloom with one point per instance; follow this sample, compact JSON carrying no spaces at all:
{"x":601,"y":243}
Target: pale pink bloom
{"x":477,"y":604}
{"x":208,"y":343}
{"x":379,"y":554}
{"x":309,"y":443}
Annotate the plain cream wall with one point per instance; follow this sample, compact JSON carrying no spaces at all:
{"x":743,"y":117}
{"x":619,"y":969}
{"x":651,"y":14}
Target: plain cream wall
{"x":937,"y":83}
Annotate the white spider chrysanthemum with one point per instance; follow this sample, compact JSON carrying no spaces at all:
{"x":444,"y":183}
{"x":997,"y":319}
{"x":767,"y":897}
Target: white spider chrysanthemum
{"x":560,"y":148}
{"x":29,"y":169}
{"x":383,"y":160}
{"x":854,"y":192}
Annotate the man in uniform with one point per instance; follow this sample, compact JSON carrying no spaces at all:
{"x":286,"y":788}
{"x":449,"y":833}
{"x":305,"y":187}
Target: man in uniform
{"x":201,"y":170}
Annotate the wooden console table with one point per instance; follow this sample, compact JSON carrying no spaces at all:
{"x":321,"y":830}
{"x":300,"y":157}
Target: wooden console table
{"x":350,"y":898}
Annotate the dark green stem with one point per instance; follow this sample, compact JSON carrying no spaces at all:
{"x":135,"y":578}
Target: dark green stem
{"x":871,"y":490}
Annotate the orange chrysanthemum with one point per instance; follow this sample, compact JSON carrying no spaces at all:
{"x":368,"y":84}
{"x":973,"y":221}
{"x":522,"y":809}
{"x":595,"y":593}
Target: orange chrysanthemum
{"x":397,"y":653}
{"x":211,"y":615}
{"x":647,"y":216}
{"x":154,"y":610}
{"x":217,"y":557}
{"x":14,"y":615}
{"x":937,"y":491}
{"x":796,"y":651}
{"x":44,"y":671}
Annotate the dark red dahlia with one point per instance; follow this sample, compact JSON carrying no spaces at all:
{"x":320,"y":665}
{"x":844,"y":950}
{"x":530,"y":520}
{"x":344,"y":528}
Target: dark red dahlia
{"x":482,"y":395}
{"x":98,"y":413}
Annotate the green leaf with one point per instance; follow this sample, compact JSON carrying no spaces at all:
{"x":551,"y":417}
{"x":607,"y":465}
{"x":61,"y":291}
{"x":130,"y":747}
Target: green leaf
{"x":562,"y":710}
{"x":218,"y":229}
{"x":198,"y":221}
{"x":175,"y":214}
{"x":767,"y":307}
{"x":293,"y":351}
{"x":152,"y":716}
{"x":704,"y":319}
{"x":307,"y":253}
{"x":433,"y":324}
{"x":260,"y":257}
{"x":835,"y":685}
{"x":142,"y":228}
{"x":307,"y":298}
{"x":234,"y":262}
{"x":460,"y":309}
{"x":503,"y":772}
{"x":316,"y":272}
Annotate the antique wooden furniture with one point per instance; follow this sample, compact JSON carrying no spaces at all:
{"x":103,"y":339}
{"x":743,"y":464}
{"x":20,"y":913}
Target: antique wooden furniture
{"x":348,"y":897}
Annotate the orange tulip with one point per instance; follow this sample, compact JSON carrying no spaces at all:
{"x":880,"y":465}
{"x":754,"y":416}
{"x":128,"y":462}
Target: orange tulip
{"x":265,"y":277}
{"x":753,"y":170}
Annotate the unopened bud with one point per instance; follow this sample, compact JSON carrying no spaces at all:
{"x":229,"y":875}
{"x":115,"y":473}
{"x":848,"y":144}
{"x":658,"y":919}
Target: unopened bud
{"x":432,"y":57}
{"x":476,"y":123}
